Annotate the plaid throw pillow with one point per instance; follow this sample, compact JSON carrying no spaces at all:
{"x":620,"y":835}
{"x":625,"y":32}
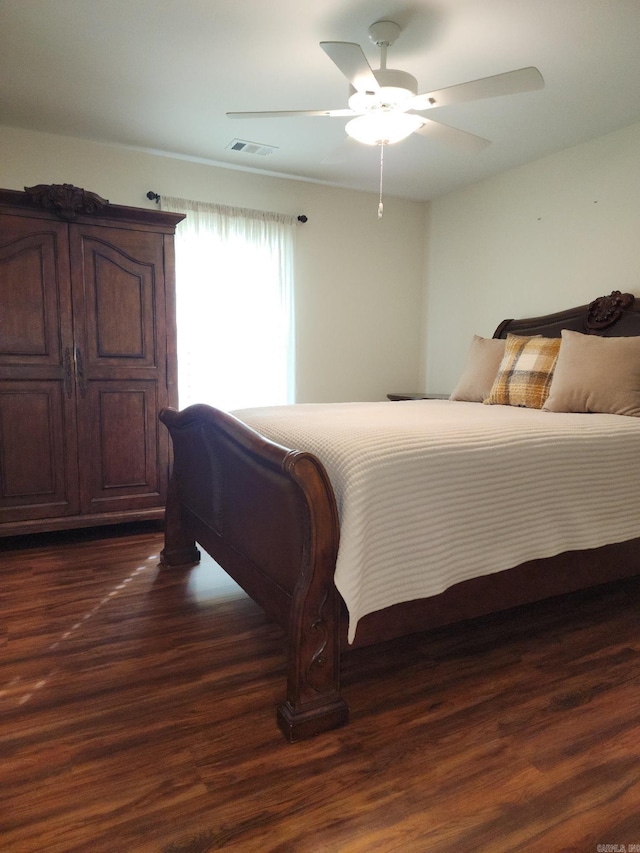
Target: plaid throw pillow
{"x":525,"y":372}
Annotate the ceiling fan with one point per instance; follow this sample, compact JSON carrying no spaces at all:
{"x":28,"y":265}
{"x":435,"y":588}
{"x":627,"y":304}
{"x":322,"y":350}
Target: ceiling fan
{"x":384,"y":105}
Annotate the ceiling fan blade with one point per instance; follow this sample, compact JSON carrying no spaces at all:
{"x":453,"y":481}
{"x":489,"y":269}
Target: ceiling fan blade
{"x":294,"y":114}
{"x":509,"y":83}
{"x":350,"y":59}
{"x":452,"y":136}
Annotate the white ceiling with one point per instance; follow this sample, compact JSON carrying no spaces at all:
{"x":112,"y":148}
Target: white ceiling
{"x":161,"y":74}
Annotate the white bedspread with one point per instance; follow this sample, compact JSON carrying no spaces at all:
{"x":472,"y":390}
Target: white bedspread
{"x":434,"y":492}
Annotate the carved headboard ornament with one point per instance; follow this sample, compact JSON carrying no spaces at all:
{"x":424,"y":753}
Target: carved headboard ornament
{"x":607,"y":310}
{"x":65,"y":200}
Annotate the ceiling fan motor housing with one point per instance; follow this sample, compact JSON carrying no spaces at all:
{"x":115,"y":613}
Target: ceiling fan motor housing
{"x":395,"y":87}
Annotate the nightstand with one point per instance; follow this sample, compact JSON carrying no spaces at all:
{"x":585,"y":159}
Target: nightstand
{"x":416,"y":395}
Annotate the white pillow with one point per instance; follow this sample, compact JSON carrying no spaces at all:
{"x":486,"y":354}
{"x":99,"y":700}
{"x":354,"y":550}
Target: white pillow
{"x":595,"y":374}
{"x":483,"y":361}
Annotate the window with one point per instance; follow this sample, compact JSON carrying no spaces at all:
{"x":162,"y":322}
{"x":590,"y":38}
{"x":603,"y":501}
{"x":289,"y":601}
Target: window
{"x":234,"y":305}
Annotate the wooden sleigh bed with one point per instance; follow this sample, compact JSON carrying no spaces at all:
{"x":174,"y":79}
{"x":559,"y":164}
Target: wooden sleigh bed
{"x":268,"y":516}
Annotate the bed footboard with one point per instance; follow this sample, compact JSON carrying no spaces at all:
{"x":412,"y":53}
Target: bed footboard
{"x":268,"y":516}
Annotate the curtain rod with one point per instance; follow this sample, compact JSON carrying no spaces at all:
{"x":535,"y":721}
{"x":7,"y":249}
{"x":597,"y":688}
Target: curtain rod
{"x":156,"y":197}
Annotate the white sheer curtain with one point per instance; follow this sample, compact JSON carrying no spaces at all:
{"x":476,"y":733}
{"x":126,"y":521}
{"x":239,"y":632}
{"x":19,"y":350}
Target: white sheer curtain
{"x":234,"y":302}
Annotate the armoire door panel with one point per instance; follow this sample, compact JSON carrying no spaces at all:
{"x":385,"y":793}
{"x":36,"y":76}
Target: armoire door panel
{"x":35,"y":300}
{"x":23,"y":322}
{"x":38,"y":464}
{"x":125,"y":456}
{"x":122,"y":298}
{"x":123,"y":436}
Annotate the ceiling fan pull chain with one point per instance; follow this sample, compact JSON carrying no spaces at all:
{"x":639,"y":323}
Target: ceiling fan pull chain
{"x":380,"y":205}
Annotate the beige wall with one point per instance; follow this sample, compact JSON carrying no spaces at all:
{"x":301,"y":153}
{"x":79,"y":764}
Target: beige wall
{"x":550,"y":235}
{"x":546,"y":236}
{"x":359,"y":280}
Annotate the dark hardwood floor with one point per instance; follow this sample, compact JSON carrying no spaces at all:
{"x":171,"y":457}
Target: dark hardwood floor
{"x":137,"y":714}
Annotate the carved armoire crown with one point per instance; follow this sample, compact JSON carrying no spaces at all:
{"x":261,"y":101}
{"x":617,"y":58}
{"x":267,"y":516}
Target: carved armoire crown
{"x":87,"y":359}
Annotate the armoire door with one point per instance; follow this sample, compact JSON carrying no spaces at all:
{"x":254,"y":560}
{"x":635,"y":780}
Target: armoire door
{"x":38,"y":438}
{"x":121,"y":366}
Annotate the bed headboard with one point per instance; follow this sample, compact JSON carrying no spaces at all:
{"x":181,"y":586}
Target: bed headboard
{"x":616,"y":315}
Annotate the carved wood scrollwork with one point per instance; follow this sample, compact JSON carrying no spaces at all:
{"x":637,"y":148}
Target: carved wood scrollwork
{"x":318,"y":660}
{"x":65,"y":200}
{"x":607,"y":310}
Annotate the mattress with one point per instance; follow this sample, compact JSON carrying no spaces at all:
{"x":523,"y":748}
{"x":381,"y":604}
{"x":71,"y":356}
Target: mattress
{"x":434,"y":492}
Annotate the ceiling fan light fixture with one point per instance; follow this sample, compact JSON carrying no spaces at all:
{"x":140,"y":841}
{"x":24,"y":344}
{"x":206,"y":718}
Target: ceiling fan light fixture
{"x":383,"y":127}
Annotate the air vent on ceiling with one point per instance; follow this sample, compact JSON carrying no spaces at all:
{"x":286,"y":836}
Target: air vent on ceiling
{"x":251,"y":147}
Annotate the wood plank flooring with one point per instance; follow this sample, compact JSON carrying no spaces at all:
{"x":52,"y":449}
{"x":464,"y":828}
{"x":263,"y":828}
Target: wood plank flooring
{"x":137,"y":715}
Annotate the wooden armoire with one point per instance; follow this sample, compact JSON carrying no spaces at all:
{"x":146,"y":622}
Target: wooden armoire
{"x":87,"y":359}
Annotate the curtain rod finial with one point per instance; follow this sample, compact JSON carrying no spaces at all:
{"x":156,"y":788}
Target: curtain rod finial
{"x":153,"y":196}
